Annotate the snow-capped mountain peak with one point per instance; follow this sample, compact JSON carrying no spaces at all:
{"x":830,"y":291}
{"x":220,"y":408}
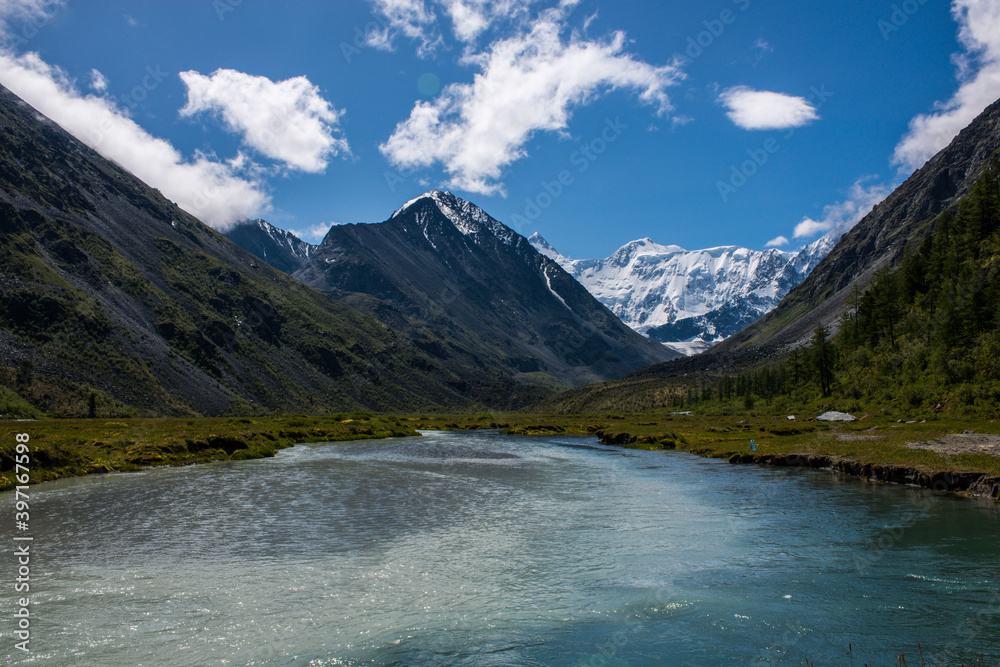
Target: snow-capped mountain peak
{"x":542,"y":246}
{"x":279,"y":248}
{"x":286,"y":240}
{"x":466,"y":216}
{"x":690,"y":300}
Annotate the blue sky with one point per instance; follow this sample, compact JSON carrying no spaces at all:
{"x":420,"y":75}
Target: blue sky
{"x":591,"y":122}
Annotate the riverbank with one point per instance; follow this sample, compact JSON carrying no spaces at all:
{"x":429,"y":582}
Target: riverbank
{"x":948,"y":455}
{"x":955,"y":456}
{"x":75,"y":447}
{"x":942,"y":456}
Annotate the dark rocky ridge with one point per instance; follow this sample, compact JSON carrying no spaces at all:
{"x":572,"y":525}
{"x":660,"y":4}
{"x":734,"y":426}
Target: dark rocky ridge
{"x":443,"y":267}
{"x":279,"y":248}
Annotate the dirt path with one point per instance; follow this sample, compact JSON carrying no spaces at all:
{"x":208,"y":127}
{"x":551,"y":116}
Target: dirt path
{"x":962,"y":443}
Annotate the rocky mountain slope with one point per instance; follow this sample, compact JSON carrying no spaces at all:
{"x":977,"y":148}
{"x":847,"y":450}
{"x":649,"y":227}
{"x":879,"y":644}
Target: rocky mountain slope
{"x":894,"y":229}
{"x":114,"y":301}
{"x":444,"y":269}
{"x":282,"y":250}
{"x":690,"y":300}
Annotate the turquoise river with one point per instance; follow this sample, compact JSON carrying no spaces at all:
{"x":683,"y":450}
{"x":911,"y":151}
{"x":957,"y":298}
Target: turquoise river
{"x":488,"y":550}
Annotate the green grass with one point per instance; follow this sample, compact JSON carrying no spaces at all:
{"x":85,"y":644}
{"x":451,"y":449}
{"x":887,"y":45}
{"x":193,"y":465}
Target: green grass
{"x":874,"y":440}
{"x":74,"y":447}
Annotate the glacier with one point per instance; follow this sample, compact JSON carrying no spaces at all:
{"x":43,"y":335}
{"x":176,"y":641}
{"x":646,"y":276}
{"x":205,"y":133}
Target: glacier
{"x":690,"y":300}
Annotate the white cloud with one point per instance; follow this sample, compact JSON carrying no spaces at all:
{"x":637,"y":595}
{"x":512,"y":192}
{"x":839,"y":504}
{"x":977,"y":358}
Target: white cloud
{"x":314,"y":234}
{"x":776,"y":242}
{"x":527,"y":83}
{"x":470,"y":18}
{"x":419,"y":20}
{"x":20,"y":19}
{"x":842,"y":216}
{"x":411,"y":18}
{"x":979,"y":78}
{"x":764,"y":110}
{"x":98,"y":81}
{"x":209,"y":189}
{"x":285,"y":120}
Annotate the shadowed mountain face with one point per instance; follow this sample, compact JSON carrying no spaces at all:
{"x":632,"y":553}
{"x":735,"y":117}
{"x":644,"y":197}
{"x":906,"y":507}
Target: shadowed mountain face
{"x":442,"y":266}
{"x":893,"y":230}
{"x":282,"y":250}
{"x":113,"y":296}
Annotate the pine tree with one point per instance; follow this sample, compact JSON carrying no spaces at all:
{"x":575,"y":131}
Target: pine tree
{"x":822,"y":354}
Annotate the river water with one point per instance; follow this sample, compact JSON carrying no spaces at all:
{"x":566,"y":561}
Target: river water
{"x":482,"y":549}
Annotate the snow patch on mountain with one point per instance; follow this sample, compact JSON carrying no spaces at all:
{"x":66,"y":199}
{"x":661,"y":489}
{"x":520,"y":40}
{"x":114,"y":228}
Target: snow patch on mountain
{"x":295,"y":246}
{"x":466,"y":216}
{"x":690,"y":300}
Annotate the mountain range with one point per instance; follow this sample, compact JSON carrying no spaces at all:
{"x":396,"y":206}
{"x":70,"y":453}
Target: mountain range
{"x":441,"y":264}
{"x":690,"y":300}
{"x":687,"y":300}
{"x":116,"y":301}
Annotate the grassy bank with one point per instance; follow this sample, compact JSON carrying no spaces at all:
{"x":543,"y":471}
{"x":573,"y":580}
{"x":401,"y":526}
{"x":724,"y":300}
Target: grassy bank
{"x":65,"y":448}
{"x":873,"y":447}
{"x":74,"y":447}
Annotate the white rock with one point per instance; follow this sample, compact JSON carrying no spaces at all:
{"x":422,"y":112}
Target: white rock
{"x":836,"y":417}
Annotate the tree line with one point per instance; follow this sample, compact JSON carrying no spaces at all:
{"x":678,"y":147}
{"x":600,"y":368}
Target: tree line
{"x":921,"y":335}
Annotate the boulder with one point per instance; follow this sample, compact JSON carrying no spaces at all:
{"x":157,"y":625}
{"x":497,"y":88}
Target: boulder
{"x":836,"y":417}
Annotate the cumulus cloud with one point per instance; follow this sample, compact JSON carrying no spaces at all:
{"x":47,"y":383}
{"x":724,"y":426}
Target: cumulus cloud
{"x":285,"y":120}
{"x":208,"y":188}
{"x":776,"y":242}
{"x":979,"y":78}
{"x":527,"y":83}
{"x":764,"y":110}
{"x":842,"y":216}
